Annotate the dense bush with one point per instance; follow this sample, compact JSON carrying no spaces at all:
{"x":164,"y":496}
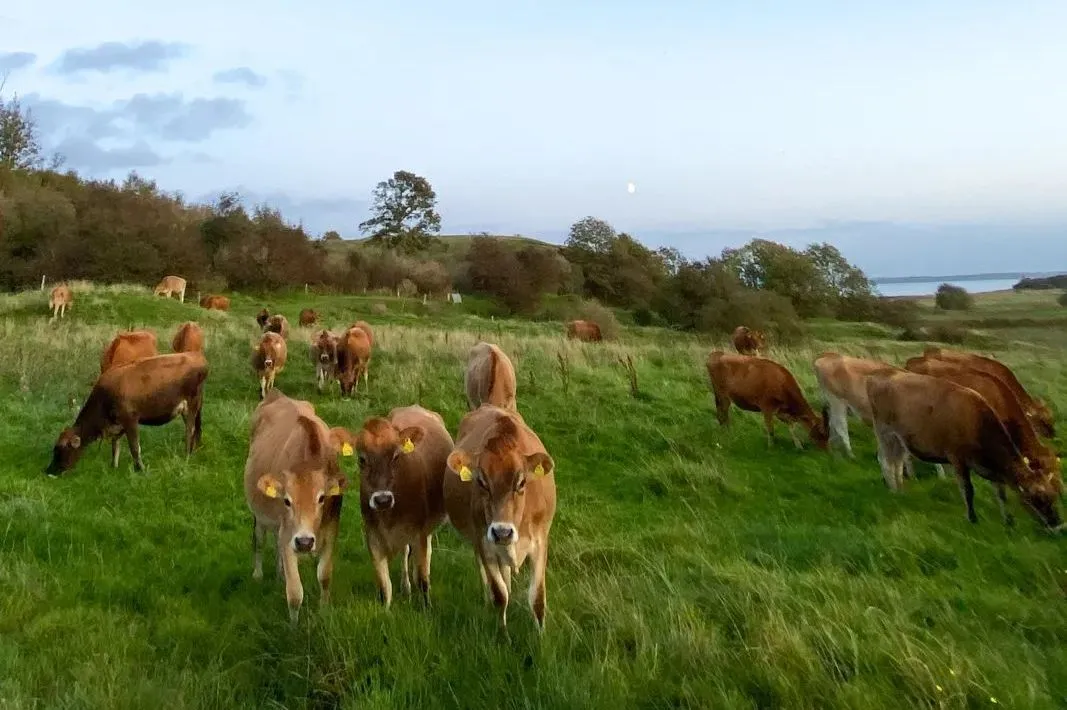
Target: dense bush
{"x":953,"y":298}
{"x":590,"y":310}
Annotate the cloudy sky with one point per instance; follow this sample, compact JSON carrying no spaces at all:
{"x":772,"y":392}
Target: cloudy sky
{"x":788,"y":117}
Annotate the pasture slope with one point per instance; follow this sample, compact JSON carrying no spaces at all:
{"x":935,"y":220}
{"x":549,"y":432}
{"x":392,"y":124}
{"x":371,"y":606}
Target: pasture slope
{"x":689,"y":566}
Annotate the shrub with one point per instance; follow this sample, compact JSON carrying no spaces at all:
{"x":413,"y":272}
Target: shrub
{"x":760,"y":310}
{"x":379,"y":309}
{"x":604,"y":317}
{"x":953,"y":298}
{"x":1062,"y":300}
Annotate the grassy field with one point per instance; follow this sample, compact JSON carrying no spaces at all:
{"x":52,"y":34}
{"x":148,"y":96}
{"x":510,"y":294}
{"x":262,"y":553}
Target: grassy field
{"x":690,"y":566}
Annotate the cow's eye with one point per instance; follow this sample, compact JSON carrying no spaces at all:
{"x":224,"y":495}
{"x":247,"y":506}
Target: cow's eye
{"x":322,"y":498}
{"x":520,"y":485}
{"x":288,"y":502}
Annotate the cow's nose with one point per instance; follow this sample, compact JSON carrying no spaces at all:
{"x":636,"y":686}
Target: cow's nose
{"x":304,"y":543}
{"x":502,"y":533}
{"x":382,"y":500}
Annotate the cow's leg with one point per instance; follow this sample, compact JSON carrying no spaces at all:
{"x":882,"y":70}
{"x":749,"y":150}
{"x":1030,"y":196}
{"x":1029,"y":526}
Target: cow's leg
{"x":133,"y":438}
{"x":294,"y":590}
{"x":381,"y":571}
{"x":263,"y":386}
{"x":259,"y":534}
{"x":190,"y":430}
{"x":366,"y":377}
{"x":890,"y":455}
{"x":722,"y":409}
{"x":325,"y":567}
{"x":940,"y":470}
{"x":768,"y":425}
{"x":116,"y":448}
{"x":423,"y":552}
{"x":405,"y":571}
{"x":538,"y":594}
{"x":181,"y":296}
{"x":198,"y":422}
{"x":1002,"y":498}
{"x":838,"y":417}
{"x":963,"y":477}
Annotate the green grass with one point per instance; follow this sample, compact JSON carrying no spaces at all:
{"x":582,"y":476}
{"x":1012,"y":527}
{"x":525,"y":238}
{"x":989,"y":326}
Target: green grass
{"x":690,"y":566}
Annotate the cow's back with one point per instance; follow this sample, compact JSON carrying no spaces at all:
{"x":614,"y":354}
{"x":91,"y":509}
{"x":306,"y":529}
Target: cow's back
{"x":490,"y":377}
{"x":188,"y":338}
{"x":845,"y":378}
{"x":128,"y":347}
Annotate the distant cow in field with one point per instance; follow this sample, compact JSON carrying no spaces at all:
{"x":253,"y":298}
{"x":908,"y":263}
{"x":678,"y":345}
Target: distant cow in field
{"x":171,"y":285}
{"x":757,"y":384}
{"x":278,"y":324}
{"x":127,"y":347}
{"x":188,"y":338}
{"x":353,"y":359}
{"x":843,"y":382}
{"x":324,"y":357}
{"x":490,"y":377}
{"x":500,"y":494}
{"x":61,"y":298}
{"x":308,"y":317}
{"x":939,"y":421}
{"x":152,"y":392}
{"x":1037,"y":410}
{"x":748,"y":342}
{"x":402,"y":460}
{"x":294,"y":486}
{"x":215,"y":303}
{"x":584,"y":330}
{"x":262,"y":318}
{"x":268,"y":360}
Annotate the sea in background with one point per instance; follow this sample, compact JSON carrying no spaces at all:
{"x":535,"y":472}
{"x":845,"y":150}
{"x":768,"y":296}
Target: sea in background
{"x":929,"y":288}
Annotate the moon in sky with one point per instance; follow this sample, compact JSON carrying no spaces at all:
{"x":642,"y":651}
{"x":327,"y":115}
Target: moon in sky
{"x":631,"y":188}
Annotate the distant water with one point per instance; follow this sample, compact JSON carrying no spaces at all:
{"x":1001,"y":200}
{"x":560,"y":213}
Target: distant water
{"x":929,"y":288}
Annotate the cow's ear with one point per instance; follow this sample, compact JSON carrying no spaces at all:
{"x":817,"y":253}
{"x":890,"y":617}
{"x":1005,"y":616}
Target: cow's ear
{"x":539,"y":465}
{"x":409,"y":438}
{"x":270,"y":486}
{"x":337,"y":485}
{"x":460,"y":464}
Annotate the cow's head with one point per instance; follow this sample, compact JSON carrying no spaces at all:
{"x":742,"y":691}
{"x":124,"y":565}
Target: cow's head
{"x":326,"y":344}
{"x":499,"y":477}
{"x":262,"y":317}
{"x":305,"y":491}
{"x":1040,"y":487}
{"x":380,"y":447}
{"x":68,"y":449}
{"x":819,"y":430}
{"x":347,"y":377}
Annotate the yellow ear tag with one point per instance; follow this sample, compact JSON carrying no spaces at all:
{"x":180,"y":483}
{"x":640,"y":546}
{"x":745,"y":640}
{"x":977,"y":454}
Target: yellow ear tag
{"x":346,"y":449}
{"x":1026,"y":461}
{"x":407,"y":447}
{"x":335,"y":490}
{"x":539,"y":471}
{"x":465,"y":474}
{"x":271,"y":491}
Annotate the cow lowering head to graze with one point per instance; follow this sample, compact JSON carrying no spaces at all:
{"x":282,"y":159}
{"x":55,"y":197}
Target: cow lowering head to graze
{"x":500,"y":494}
{"x":171,"y":286}
{"x":748,"y":342}
{"x":490,"y":377}
{"x":278,"y":324}
{"x":1037,"y":410}
{"x":61,"y":298}
{"x":353,"y":359}
{"x":843,"y":382}
{"x":151,"y":391}
{"x":262,"y":318}
{"x":293,"y":486}
{"x":268,"y":360}
{"x":939,"y":421}
{"x":189,"y":338}
{"x":402,"y":461}
{"x":756,"y":384}
{"x":324,"y":356}
{"x":128,"y":347}
{"x":308,"y":317}
{"x":215,"y":303}
{"x":584,"y":330}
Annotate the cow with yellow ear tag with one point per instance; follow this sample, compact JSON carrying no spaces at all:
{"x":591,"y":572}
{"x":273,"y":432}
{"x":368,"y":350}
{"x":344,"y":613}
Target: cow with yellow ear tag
{"x":401,"y":464}
{"x":294,"y":488}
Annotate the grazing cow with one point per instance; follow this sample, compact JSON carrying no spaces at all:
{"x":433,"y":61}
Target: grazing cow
{"x":490,"y":377}
{"x":215,"y":303}
{"x":353,"y":358}
{"x":268,"y":360}
{"x":278,"y":324}
{"x":843,"y":382}
{"x":584,"y":330}
{"x":188,"y":338}
{"x":324,"y":356}
{"x":262,"y":317}
{"x":939,"y":421}
{"x":294,"y":486}
{"x":500,"y":494}
{"x":152,"y":392}
{"x":757,"y":384}
{"x":61,"y":298}
{"x":128,"y":347}
{"x":402,"y":461}
{"x":1037,"y":410}
{"x":308,"y":317}
{"x":748,"y":342}
{"x":169,"y":286}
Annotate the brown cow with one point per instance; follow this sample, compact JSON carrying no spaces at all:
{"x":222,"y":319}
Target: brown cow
{"x":756,"y":384}
{"x":584,"y":330}
{"x":490,"y":377}
{"x":308,"y":317}
{"x":278,"y":324}
{"x":843,"y":382}
{"x":188,"y":338}
{"x":500,"y":494}
{"x":268,"y":360}
{"x":1037,"y":410}
{"x":61,"y":298}
{"x":293,"y":485}
{"x":215,"y":303}
{"x":748,"y":342}
{"x":939,"y":421}
{"x":324,"y":356}
{"x":128,"y":347}
{"x":366,"y":329}
{"x":402,"y":461}
{"x":262,"y":318}
{"x":169,"y":286}
{"x":353,"y":359}
{"x":151,"y":392}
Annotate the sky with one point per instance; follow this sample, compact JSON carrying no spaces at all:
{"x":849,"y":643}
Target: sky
{"x":919,"y":136}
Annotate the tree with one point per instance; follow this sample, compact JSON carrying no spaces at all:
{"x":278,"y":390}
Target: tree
{"x":20,"y":148}
{"x":405,"y":215}
{"x":331,"y":236}
{"x":953,"y":298}
{"x":763,"y":264}
{"x":591,"y":235}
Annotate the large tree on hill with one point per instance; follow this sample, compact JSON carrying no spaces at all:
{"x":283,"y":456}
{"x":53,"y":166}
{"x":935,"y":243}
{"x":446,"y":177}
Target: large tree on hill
{"x":404,"y":213}
{"x":20,"y":148}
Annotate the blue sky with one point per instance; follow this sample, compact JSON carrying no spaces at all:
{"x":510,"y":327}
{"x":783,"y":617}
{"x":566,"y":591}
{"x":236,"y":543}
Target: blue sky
{"x":785,"y":118}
